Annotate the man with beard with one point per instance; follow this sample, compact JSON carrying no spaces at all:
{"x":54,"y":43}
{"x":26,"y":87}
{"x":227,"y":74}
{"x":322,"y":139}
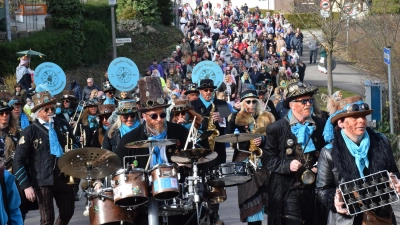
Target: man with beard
{"x":153,"y":111}
{"x":291,"y":149}
{"x":36,"y":158}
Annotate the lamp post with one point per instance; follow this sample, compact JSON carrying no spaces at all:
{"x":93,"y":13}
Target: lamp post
{"x":112,"y":3}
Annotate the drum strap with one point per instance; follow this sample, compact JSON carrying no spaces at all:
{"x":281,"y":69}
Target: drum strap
{"x":4,"y":194}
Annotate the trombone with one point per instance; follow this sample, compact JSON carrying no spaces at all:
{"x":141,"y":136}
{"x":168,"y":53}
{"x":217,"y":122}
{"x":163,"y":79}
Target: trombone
{"x":68,"y":147}
{"x":80,"y":114}
{"x":72,"y":119}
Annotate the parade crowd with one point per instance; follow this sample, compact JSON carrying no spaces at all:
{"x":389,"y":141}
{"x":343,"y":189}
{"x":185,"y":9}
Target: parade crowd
{"x":295,"y":163}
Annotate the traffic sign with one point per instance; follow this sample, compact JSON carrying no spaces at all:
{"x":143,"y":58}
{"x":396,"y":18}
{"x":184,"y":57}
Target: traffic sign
{"x":123,"y":40}
{"x":325,"y":5}
{"x":324,"y":13}
{"x":386,"y":55}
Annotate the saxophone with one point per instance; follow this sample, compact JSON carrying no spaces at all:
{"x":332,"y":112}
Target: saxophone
{"x":255,"y":152}
{"x":211,"y":126}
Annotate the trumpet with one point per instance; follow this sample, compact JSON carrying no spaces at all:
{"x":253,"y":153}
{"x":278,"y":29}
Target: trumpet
{"x":68,"y":147}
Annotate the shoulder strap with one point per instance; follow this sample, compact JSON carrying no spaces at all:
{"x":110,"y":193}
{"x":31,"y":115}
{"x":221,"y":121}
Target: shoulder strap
{"x":44,"y":130}
{"x":4,"y":193}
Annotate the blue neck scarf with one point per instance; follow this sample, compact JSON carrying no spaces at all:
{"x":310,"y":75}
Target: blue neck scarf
{"x":23,"y":120}
{"x":302,"y":133}
{"x":105,"y":127}
{"x":125,"y":129}
{"x":92,"y":121}
{"x":360,"y":153}
{"x":55,"y":147}
{"x":156,"y":157}
{"x":205,"y":102}
{"x":109,"y":101}
{"x":187,"y":125}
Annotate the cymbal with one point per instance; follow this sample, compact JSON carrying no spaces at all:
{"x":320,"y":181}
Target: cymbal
{"x":153,"y":143}
{"x":233,"y":138}
{"x":103,"y":163}
{"x":200,"y":154}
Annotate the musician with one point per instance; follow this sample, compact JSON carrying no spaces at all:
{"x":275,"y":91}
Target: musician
{"x":355,"y":151}
{"x":109,"y":90}
{"x":203,"y":106}
{"x":88,"y":124}
{"x":263,"y":95}
{"x":191,"y":92}
{"x":104,"y":113}
{"x":35,"y":162}
{"x":252,"y":195}
{"x":22,"y":119}
{"x":69,"y":104}
{"x":291,"y":198}
{"x":153,"y":105}
{"x":182,"y":113}
{"x":126,"y":122}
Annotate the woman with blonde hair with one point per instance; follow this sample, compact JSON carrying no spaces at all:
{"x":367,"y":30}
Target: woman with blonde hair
{"x":88,"y":124}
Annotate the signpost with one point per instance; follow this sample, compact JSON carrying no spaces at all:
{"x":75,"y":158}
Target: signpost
{"x":123,"y":40}
{"x":386,"y":60}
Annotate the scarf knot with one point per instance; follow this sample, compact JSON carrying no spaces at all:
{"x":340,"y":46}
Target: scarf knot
{"x":359,"y":152}
{"x":303,"y":134}
{"x":156,"y":157}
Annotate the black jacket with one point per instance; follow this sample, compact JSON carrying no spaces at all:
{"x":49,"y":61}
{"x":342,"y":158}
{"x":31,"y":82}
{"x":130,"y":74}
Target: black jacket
{"x":33,"y":164}
{"x":111,"y":143}
{"x":175,"y":131}
{"x":275,"y":159}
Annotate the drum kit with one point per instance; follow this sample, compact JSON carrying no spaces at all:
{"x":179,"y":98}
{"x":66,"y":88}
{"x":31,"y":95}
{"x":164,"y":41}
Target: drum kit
{"x":161,"y":188}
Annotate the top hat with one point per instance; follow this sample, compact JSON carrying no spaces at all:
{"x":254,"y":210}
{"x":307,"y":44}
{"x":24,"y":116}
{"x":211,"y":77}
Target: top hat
{"x":106,"y":110}
{"x":42,"y":99}
{"x":126,"y":107}
{"x":151,"y":94}
{"x":296,"y":88}
{"x":191,"y":88}
{"x":206,"y":83}
{"x":349,"y":107}
{"x":248,"y":94}
{"x":108,"y":87}
{"x":68,"y":94}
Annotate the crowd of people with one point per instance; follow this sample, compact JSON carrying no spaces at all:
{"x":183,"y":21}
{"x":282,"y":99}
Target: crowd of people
{"x":298,"y":161}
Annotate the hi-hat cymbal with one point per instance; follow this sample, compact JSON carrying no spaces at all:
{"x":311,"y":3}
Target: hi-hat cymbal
{"x":232,"y":138}
{"x":153,"y":143}
{"x":102,"y":163}
{"x":201,"y":155}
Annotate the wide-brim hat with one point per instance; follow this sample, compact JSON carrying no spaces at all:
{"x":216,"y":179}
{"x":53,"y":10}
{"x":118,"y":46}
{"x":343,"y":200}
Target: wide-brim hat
{"x":68,"y":94}
{"x":248,"y":94}
{"x":191,"y":88}
{"x":91,"y":102}
{"x":15,"y":100}
{"x":122,"y":95}
{"x":151,"y":93}
{"x":181,"y":105}
{"x":206,"y":83}
{"x":296,"y":88}
{"x":106,"y":110}
{"x":107,"y":87}
{"x":42,"y":99}
{"x":4,"y":106}
{"x":349,"y":107}
{"x":126,"y":107}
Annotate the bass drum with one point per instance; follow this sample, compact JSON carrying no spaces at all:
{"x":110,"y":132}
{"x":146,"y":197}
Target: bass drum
{"x":103,"y":211}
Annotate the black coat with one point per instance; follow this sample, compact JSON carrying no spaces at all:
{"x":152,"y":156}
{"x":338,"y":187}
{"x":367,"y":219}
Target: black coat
{"x":275,"y":160}
{"x":220,"y":148}
{"x":33,"y":164}
{"x":175,"y":131}
{"x":111,"y":143}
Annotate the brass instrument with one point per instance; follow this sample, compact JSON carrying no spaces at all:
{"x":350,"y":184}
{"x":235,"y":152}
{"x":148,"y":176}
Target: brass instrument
{"x":84,"y":136}
{"x":72,"y":119}
{"x":255,"y":152}
{"x":68,"y":147}
{"x":270,"y":89}
{"x":211,"y":126}
{"x":79,"y":117}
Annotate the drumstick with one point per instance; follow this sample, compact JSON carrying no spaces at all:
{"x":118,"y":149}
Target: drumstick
{"x":190,"y":133}
{"x":148,"y":161}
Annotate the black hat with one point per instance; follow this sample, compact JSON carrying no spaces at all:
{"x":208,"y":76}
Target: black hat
{"x":106,"y":109}
{"x":295,"y":89}
{"x":206,"y":83}
{"x":91,"y":102}
{"x":108,"y":87}
{"x":250,"y":93}
{"x":68,"y":94}
{"x":191,"y":88}
{"x":5,"y":106}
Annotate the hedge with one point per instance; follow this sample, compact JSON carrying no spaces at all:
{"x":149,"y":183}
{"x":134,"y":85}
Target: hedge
{"x":100,"y":11}
{"x":58,"y":46}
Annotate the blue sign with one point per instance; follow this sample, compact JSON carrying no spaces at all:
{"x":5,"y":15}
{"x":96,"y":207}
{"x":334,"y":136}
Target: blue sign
{"x":208,"y":70}
{"x":386,"y":55}
{"x":52,"y":76}
{"x":123,"y":74}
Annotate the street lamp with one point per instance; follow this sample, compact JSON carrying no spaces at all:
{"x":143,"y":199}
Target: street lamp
{"x":112,"y":3}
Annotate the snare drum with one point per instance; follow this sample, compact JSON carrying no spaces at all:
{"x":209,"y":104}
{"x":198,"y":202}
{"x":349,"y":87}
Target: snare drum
{"x":103,"y":211}
{"x":130,"y":187}
{"x":229,"y":174}
{"x":165,"y":181}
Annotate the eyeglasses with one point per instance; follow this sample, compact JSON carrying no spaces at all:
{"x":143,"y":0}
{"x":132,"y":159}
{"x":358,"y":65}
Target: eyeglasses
{"x":304,"y":101}
{"x":66,"y":100}
{"x":208,"y":90}
{"x":47,"y":109}
{"x":5,"y":113}
{"x":154,"y":116}
{"x":129,"y":115}
{"x":357,"y":107}
{"x":251,"y":101}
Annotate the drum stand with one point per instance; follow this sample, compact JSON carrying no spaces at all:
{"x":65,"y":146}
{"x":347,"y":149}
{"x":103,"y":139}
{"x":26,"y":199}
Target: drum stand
{"x":193,"y":182}
{"x":89,"y":190}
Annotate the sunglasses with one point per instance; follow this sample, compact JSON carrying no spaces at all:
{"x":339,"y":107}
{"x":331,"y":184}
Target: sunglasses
{"x":180,"y":113}
{"x":358,"y":107}
{"x":154,"y":116}
{"x":133,"y":116}
{"x":111,"y":93}
{"x":304,"y":101}
{"x":5,"y":113}
{"x":47,"y":109}
{"x":251,"y":101}
{"x":208,"y":90}
{"x":66,"y":100}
